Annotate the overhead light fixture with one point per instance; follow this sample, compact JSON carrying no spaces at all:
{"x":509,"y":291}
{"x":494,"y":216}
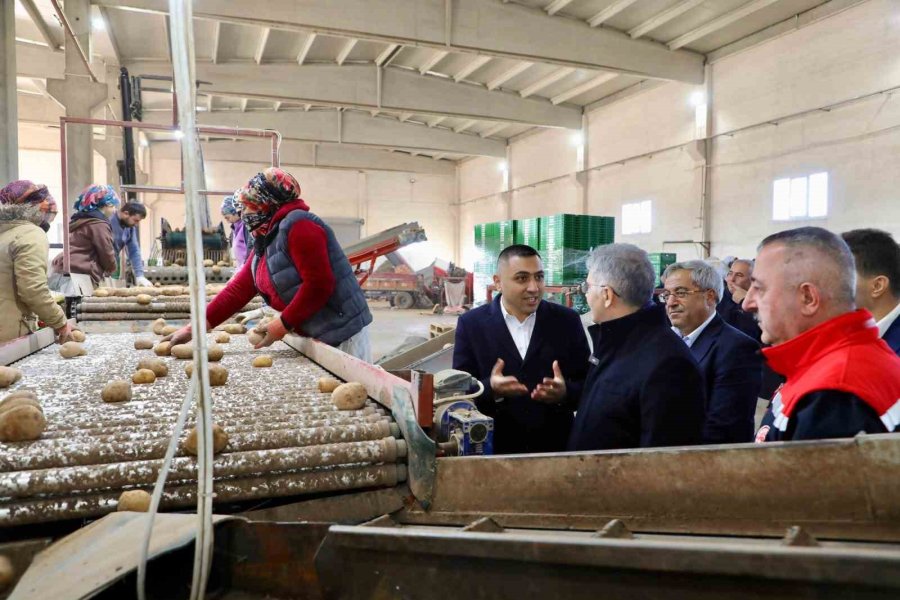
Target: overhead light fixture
{"x":178,"y":134}
{"x":577,"y":139}
{"x":698,"y":99}
{"x":98,"y":24}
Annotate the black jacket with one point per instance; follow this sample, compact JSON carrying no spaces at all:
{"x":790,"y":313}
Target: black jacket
{"x":522,"y":424}
{"x":732,"y":313}
{"x":731,"y":366}
{"x":892,"y":336}
{"x":823,"y":415}
{"x":643,"y":388}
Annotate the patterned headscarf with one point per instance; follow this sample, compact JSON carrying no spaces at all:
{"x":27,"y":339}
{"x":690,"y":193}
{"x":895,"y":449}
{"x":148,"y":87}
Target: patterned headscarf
{"x":230,"y":206}
{"x":23,"y":191}
{"x":27,"y":192}
{"x":264,"y":194}
{"x":95,"y":197}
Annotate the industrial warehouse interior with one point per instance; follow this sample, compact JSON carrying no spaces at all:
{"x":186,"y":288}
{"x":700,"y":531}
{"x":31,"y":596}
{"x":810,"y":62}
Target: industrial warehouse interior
{"x":427,"y":299}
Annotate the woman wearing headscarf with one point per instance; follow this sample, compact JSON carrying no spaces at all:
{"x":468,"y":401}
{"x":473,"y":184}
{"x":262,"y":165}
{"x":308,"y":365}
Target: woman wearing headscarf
{"x":231,"y":212}
{"x":26,"y":211}
{"x":298,"y":267}
{"x":91,"y":249}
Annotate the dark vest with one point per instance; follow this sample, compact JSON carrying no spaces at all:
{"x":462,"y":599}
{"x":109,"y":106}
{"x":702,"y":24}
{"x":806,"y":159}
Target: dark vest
{"x":346,"y":312}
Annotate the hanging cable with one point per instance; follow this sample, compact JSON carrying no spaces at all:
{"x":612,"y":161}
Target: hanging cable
{"x":183,"y":61}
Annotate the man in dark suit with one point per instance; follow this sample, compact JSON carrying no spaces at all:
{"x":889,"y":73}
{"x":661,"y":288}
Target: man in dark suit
{"x":729,"y":360}
{"x":737,"y":282}
{"x":877,"y":258}
{"x":531,"y":356}
{"x":643,"y":388}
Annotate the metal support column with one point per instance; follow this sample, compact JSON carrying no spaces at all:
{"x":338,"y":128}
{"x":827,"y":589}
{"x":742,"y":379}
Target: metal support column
{"x":80,"y":92}
{"x":9,"y":122}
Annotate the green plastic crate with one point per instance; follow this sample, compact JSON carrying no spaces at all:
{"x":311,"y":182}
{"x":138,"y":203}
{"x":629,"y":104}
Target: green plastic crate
{"x":661,"y":260}
{"x":527,"y":231}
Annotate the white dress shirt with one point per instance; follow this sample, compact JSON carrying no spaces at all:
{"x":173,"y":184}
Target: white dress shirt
{"x":520,"y":331}
{"x":690,"y":338}
{"x":888,"y":320}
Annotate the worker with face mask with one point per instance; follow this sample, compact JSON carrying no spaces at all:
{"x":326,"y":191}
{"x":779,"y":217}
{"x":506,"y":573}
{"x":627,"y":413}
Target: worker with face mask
{"x":298,"y":267}
{"x":26,"y":208}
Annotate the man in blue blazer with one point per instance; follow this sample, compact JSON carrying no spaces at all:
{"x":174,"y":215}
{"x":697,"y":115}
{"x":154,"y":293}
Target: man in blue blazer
{"x":877,"y":258}
{"x":530,"y":354}
{"x":644,"y":388}
{"x":729,"y":360}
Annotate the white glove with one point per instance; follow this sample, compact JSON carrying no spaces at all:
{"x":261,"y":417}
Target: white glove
{"x":142,"y":282}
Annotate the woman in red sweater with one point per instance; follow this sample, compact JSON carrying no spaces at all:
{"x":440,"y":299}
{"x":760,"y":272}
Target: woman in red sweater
{"x":299,"y":269}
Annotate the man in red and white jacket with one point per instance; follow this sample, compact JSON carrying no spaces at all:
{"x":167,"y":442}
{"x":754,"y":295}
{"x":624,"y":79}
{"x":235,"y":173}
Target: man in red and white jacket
{"x":841,"y":378}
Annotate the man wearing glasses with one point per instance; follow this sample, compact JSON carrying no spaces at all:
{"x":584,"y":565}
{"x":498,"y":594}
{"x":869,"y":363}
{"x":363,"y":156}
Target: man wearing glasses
{"x":644,"y":387}
{"x":729,"y":360}
{"x":531,"y":356}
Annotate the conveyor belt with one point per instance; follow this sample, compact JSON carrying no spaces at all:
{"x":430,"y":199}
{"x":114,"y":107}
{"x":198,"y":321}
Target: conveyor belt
{"x":285,"y":438}
{"x":118,"y":308}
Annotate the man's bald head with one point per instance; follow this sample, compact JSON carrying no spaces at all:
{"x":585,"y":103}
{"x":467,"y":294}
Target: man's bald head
{"x":817,"y":256}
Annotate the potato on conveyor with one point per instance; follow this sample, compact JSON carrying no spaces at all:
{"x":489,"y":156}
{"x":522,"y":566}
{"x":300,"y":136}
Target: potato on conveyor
{"x":20,"y":398}
{"x":158,"y":326}
{"x":143,"y":376}
{"x":134,"y":501}
{"x":163,"y":349}
{"x":143,"y":344}
{"x":71,"y":350}
{"x":328,"y":384}
{"x":78,"y":335}
{"x":234,"y":329}
{"x":220,"y":440}
{"x":8,"y":376}
{"x":182,"y":351}
{"x":21,"y":423}
{"x":255,"y":337}
{"x":169,"y":329}
{"x":222,"y":338}
{"x":117,"y":390}
{"x":218,"y":375}
{"x":144,"y":299}
{"x":157,"y":365}
{"x":349,"y":396}
{"x":7,"y":573}
{"x":263,"y":360}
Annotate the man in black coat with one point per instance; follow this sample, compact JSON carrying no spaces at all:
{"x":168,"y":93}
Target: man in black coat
{"x":643,"y":388}
{"x":531,"y":356}
{"x":730,"y":361}
{"x":877,"y":258}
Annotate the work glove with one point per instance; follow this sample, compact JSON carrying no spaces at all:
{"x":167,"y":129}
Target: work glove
{"x":142,"y":282}
{"x":275,"y":330}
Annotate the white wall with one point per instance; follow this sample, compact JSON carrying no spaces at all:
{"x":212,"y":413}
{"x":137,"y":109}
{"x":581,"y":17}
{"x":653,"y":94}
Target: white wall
{"x":638,"y":145}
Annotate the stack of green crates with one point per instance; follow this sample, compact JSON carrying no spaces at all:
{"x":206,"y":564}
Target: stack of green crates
{"x":527,"y":231}
{"x":565,"y":241}
{"x":661,"y":260}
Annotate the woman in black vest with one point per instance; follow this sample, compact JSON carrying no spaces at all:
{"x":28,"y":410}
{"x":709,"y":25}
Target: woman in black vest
{"x":299,"y":269}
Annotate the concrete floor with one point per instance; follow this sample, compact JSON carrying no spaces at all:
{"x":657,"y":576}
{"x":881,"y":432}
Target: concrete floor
{"x":391,"y":326}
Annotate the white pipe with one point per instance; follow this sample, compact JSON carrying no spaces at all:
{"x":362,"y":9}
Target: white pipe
{"x":183,"y":62}
{"x":158,"y":488}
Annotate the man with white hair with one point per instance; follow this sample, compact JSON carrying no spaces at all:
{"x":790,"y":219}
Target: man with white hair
{"x":729,"y":360}
{"x":737,"y":282}
{"x":841,"y":378}
{"x":643,"y":388}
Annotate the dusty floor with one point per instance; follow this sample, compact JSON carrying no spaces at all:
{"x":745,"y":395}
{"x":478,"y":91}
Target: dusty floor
{"x":390,"y":326}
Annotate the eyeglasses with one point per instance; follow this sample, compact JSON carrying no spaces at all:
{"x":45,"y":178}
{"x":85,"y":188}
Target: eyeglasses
{"x":680,"y":294}
{"x":584,"y":286}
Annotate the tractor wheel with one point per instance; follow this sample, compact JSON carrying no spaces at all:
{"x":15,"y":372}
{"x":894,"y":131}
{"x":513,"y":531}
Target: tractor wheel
{"x":404,"y":300}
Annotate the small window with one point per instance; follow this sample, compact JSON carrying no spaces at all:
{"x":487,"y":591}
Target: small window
{"x":637,"y":217}
{"x":800,"y":197}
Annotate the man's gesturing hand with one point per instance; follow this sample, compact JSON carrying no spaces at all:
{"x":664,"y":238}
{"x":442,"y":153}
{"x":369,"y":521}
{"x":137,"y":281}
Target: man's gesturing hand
{"x":552,"y":390}
{"x":505,"y":386}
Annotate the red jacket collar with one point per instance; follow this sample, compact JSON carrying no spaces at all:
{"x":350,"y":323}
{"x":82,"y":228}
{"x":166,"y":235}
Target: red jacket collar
{"x":798,"y":353}
{"x":285,"y":209}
